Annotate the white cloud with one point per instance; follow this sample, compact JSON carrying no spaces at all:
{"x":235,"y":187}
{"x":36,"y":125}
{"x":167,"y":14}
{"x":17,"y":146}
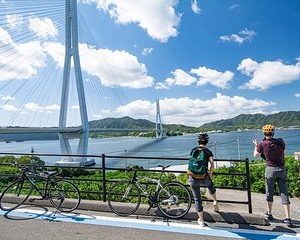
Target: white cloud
{"x":297,"y":95}
{"x":266,"y":74}
{"x":13,"y":20}
{"x":240,"y":38}
{"x":158,"y":17}
{"x":218,"y":79}
{"x":195,"y":111}
{"x":194,"y":6}
{"x":74,"y":107}
{"x":104,"y":113}
{"x":34,"y":107}
{"x":234,"y":6}
{"x":5,"y":38}
{"x":147,"y":51}
{"x":9,"y":108}
{"x":113,"y":68}
{"x":8,"y":97}
{"x":43,"y":27}
{"x":22,"y":60}
{"x":180,"y":78}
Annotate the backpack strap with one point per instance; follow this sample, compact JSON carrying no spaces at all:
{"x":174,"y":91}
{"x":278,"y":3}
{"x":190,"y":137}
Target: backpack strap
{"x":277,"y":142}
{"x":196,"y":149}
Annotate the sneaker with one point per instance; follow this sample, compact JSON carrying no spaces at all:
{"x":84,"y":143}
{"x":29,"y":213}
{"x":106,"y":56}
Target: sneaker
{"x":216,"y":207}
{"x":268,"y":216}
{"x":288,"y":222}
{"x":201,"y":223}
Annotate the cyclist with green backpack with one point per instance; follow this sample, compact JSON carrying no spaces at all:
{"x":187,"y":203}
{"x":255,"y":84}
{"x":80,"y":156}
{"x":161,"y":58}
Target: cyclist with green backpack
{"x":200,"y":175}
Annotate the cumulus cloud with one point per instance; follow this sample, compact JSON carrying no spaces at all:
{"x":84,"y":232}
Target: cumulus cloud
{"x":267,"y":74}
{"x":194,"y":6}
{"x":297,"y":95}
{"x":113,"y":68}
{"x":240,"y":38}
{"x":218,"y":79}
{"x":22,"y":60}
{"x":43,"y":27}
{"x":200,"y":76}
{"x":7,"y":98}
{"x":9,"y":108}
{"x":147,"y":51}
{"x":74,"y":107}
{"x":195,"y":112}
{"x":181,"y":78}
{"x":158,"y":18}
{"x":13,"y":20}
{"x":34,"y":107}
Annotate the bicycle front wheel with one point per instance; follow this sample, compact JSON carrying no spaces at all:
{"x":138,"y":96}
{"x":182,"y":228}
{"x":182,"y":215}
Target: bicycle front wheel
{"x":15,"y":195}
{"x":174,"y":200}
{"x":124,"y":198}
{"x":64,"y":195}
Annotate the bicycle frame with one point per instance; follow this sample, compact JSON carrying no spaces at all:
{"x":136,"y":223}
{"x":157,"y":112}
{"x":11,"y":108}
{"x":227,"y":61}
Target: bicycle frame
{"x":25,"y":177}
{"x":137,"y":181}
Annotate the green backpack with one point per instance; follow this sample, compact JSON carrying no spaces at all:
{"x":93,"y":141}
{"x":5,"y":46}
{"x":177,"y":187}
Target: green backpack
{"x":198,"y":165}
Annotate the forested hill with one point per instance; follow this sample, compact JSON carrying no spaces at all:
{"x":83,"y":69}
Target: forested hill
{"x":130,"y":123}
{"x":122,"y":123}
{"x":254,"y":121}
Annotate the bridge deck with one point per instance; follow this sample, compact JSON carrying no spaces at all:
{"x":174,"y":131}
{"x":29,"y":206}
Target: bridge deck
{"x":21,"y":130}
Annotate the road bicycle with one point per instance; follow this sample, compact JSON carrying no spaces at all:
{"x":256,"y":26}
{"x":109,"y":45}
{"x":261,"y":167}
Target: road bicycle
{"x":173,"y":199}
{"x":58,"y":191}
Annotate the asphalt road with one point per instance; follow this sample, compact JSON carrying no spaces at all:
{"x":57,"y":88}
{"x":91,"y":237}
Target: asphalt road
{"x":46,"y":230}
{"x":39,"y":223}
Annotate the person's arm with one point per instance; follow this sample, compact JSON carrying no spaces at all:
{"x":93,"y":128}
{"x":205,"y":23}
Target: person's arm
{"x":211,"y":166}
{"x":256,"y":152}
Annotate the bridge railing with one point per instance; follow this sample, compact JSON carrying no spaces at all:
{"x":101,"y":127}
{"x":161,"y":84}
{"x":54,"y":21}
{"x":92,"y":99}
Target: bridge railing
{"x":100,"y":176}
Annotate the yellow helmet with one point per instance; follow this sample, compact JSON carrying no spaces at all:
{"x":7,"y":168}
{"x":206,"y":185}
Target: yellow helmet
{"x":267,"y":129}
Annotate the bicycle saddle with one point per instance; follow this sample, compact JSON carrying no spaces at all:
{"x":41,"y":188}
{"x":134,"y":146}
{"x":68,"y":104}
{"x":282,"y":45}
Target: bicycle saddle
{"x":50,"y":173}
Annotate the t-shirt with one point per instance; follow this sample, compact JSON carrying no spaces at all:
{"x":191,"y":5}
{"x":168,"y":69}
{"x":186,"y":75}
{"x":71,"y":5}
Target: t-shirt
{"x":274,"y":153}
{"x":207,"y":153}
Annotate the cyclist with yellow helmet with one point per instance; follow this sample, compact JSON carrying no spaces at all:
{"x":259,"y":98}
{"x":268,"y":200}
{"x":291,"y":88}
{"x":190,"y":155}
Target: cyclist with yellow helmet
{"x":272,"y":150}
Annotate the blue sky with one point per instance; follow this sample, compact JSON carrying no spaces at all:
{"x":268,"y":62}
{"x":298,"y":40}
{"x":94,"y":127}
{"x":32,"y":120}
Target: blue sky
{"x":205,"y":60}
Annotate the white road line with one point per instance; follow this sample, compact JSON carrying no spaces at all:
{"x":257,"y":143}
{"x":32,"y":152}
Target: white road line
{"x":149,"y":225}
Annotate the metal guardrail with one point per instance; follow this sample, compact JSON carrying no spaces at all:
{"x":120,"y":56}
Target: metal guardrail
{"x":103,"y":169}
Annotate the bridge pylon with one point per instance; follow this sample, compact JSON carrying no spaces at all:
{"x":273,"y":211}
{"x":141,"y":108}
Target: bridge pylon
{"x":72,"y":53}
{"x":159,"y":132}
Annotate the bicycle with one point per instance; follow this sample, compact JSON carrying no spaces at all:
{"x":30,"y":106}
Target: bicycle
{"x":173,"y":199}
{"x":55,"y":190}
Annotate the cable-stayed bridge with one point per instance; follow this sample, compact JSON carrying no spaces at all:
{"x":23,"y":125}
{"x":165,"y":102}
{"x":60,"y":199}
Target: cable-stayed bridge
{"x":30,"y":81}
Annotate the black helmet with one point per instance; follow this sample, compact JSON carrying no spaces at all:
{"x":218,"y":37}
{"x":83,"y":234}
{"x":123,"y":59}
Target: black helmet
{"x":203,"y":137}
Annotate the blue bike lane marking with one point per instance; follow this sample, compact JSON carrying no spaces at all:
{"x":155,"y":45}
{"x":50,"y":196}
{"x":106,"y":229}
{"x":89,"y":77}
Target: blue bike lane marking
{"x":149,"y":225}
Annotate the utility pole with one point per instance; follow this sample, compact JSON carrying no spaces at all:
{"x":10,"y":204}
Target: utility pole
{"x":238,"y":148}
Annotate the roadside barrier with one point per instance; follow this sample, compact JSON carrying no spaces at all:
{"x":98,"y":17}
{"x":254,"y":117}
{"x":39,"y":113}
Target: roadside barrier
{"x":104,"y":167}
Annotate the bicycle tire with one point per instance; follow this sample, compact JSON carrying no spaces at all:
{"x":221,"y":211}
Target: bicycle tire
{"x":174,"y":200}
{"x":119,"y":203}
{"x":11,"y":197}
{"x":59,"y":191}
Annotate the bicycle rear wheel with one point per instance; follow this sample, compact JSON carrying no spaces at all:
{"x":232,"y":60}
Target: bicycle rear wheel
{"x":174,"y":200}
{"x":64,"y":195}
{"x":15,"y":194}
{"x":124,"y":198}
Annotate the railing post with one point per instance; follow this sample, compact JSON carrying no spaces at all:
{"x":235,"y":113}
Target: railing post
{"x":103,"y":179}
{"x":248,"y":186}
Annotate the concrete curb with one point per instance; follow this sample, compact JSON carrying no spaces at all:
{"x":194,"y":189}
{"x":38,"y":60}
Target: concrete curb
{"x":209,"y":216}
